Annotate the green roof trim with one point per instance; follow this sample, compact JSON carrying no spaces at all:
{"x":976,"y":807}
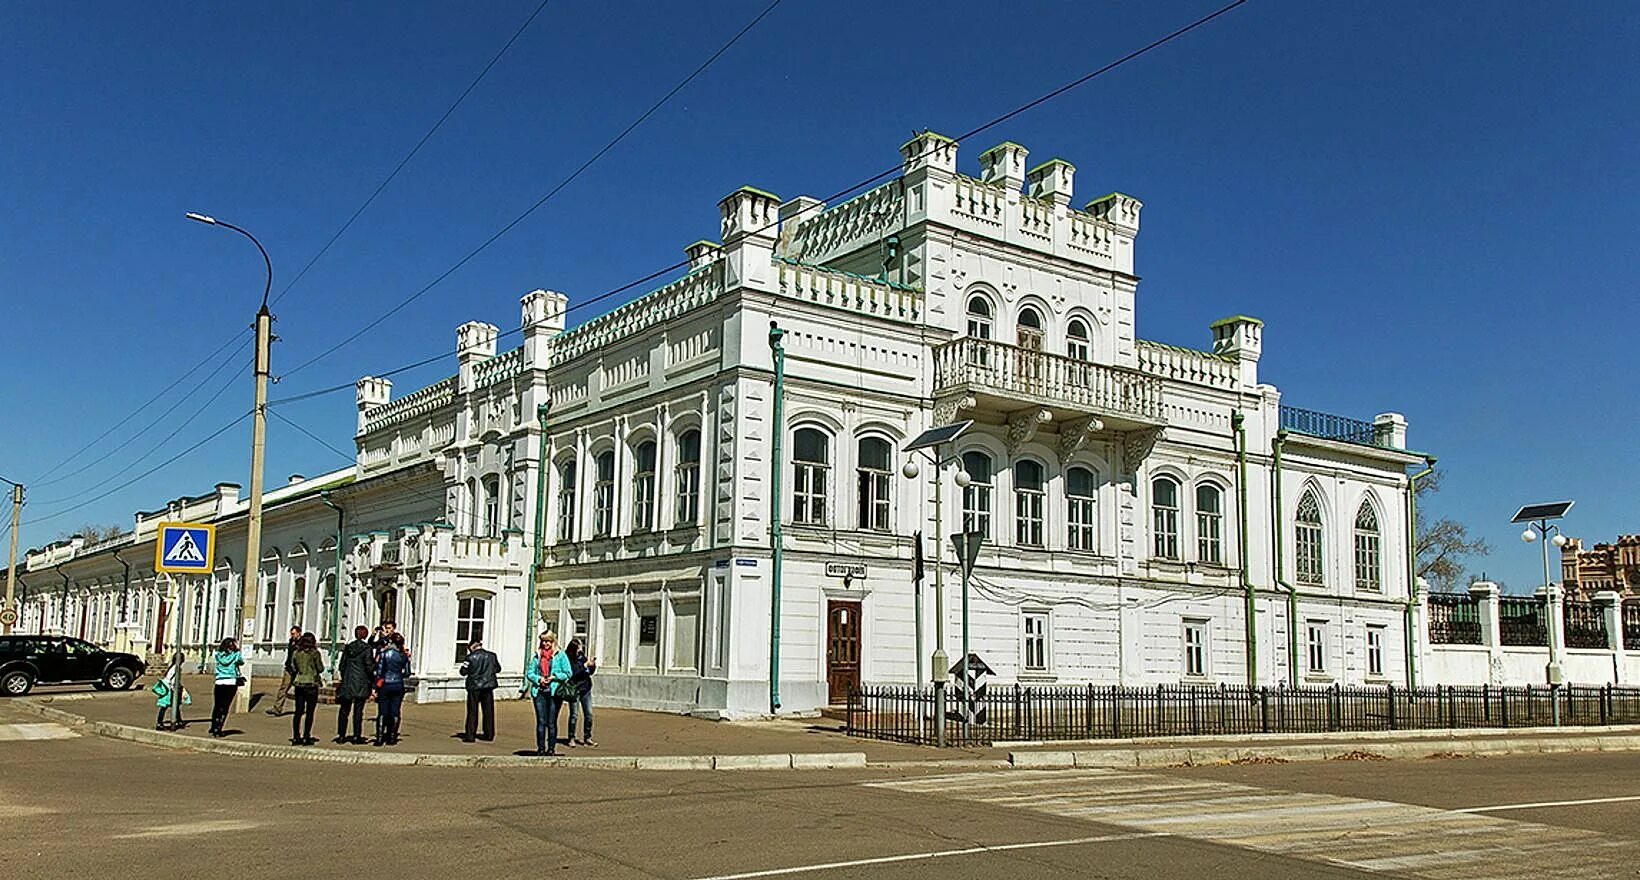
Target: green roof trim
{"x":1000,"y":146}
{"x":694,"y":244}
{"x":1235,"y":319}
{"x":755,"y":191}
{"x":1054,"y":161}
{"x":931,"y":135}
{"x":1183,"y":350}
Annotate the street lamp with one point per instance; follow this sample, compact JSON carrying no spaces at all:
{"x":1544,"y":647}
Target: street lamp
{"x":1536,"y":517}
{"x":934,"y":445}
{"x":259,"y":430}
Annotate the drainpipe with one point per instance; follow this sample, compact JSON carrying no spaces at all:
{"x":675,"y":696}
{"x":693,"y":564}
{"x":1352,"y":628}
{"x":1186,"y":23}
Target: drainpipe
{"x":777,"y":483}
{"x":539,"y":539}
{"x":62,"y":613}
{"x":125,"y":587}
{"x":1412,"y":569}
{"x":335,"y":603}
{"x":1281,"y":571}
{"x":1238,"y":425}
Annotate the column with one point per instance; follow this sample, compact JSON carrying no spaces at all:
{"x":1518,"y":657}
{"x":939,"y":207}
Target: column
{"x":1486,"y":598}
{"x":1610,"y":603}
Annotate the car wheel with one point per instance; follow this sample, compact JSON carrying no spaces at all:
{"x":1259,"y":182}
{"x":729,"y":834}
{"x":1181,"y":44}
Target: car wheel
{"x":118,"y":679}
{"x":16,"y":684}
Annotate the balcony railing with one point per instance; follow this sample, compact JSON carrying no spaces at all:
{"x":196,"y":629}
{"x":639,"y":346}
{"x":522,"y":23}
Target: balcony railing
{"x":1018,"y":372}
{"x":1330,"y":427}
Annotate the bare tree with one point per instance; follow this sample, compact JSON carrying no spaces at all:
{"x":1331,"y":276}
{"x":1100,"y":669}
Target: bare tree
{"x":93,"y":533}
{"x":1444,"y":544}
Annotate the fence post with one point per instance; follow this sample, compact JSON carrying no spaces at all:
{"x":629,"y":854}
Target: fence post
{"x":1391,"y":688}
{"x":1264,"y":708}
{"x":1019,"y":711}
{"x":1087,"y":712}
{"x":1440,"y":708}
{"x":1486,"y":704}
{"x":1604,"y":694}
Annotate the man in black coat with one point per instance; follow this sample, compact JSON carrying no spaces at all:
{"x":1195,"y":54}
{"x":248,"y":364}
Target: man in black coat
{"x":357,"y":668}
{"x":278,"y":707}
{"x":481,"y":668}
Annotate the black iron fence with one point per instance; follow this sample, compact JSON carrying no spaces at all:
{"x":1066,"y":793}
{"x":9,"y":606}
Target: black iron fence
{"x":1585,"y":625}
{"x":1631,"y":625}
{"x":906,"y":713}
{"x":1454,"y":619}
{"x":1331,"y":427}
{"x":1522,"y":621}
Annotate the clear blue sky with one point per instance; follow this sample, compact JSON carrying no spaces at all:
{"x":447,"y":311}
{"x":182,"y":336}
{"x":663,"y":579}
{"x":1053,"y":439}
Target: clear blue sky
{"x":1432,"y":206}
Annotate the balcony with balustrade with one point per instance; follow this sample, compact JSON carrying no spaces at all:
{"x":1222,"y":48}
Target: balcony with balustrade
{"x":1008,"y":378}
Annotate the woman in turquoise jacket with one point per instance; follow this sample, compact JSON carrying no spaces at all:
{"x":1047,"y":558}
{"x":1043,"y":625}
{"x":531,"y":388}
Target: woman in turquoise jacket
{"x":228,"y":661}
{"x":547,"y":690}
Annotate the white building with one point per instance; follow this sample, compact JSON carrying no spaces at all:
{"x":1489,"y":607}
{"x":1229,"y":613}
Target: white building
{"x":1150,"y":513}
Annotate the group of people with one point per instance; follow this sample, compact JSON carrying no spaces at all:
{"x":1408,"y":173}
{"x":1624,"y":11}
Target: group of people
{"x":377,"y":666}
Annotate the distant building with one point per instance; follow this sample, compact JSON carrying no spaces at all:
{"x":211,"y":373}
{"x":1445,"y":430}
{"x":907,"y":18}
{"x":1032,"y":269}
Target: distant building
{"x":1601,"y":567}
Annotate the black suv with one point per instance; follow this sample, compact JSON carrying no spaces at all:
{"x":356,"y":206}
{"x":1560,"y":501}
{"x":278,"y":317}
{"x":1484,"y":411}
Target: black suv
{"x":29,"y":660}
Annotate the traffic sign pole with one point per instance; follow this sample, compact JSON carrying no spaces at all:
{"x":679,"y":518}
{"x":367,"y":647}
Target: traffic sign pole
{"x":8,"y":613}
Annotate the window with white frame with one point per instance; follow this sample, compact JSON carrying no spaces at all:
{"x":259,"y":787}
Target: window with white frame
{"x":688,"y":478}
{"x":979,"y":329}
{"x":1195,"y":648}
{"x":298,"y":603}
{"x":1209,"y":524}
{"x":327,"y":604}
{"x":1035,"y":640}
{"x":270,"y":594}
{"x":1375,"y":651}
{"x":1369,"y":569}
{"x":603,"y":495}
{"x":976,"y":496}
{"x":643,"y":486}
{"x":1307,"y":554}
{"x":1164,"y":517}
{"x":1316,"y":645}
{"x":470,"y":617}
{"x":874,"y":476}
{"x":1080,"y":487}
{"x":811,"y":460}
{"x":566,"y":501}
{"x":1030,"y":489}
{"x":491,"y":487}
{"x":1078,"y":344}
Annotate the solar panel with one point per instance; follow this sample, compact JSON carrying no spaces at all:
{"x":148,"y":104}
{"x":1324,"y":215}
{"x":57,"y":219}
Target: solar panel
{"x":1535,"y":512}
{"x":941,"y":434}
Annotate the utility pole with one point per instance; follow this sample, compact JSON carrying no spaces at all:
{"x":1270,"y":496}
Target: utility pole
{"x":8,"y":613}
{"x":259,"y":430}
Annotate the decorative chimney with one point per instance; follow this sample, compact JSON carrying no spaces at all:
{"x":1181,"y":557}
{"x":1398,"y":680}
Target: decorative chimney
{"x":1004,"y":164}
{"x":930,"y":150}
{"x":543,"y":319}
{"x":1052,"y":181}
{"x":750,"y":223}
{"x":1390,"y":429}
{"x":371,"y":392}
{"x":475,"y":344}
{"x":702,"y":253}
{"x":1240,"y":337}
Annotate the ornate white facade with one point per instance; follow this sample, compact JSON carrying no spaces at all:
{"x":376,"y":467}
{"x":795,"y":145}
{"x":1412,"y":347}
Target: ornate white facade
{"x":1125,"y":538}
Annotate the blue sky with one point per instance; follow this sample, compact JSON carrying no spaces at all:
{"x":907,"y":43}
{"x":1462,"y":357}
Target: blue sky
{"x":1432,"y":206}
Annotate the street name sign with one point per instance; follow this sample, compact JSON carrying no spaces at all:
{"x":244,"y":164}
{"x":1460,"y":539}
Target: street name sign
{"x":184,"y":548}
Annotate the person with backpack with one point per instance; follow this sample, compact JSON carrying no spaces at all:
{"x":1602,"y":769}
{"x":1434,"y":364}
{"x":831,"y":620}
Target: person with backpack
{"x":227,"y":660}
{"x":357,"y":670}
{"x":392,"y":672}
{"x":547,"y":680}
{"x":307,"y":673}
{"x":580,"y":679}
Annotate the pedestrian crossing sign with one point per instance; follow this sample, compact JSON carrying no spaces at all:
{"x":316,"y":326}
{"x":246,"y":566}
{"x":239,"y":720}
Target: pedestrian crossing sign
{"x":184,"y":548}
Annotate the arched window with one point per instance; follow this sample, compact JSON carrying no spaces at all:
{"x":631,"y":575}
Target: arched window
{"x":873,"y":470}
{"x":270,"y":593}
{"x":474,"y":507}
{"x":1080,"y":490}
{"x":1369,"y":568}
{"x":811,"y":459}
{"x":979,"y":332}
{"x":329,"y":623}
{"x":298,"y":603}
{"x":1078,"y":344}
{"x":1029,"y":491}
{"x":688,"y":481}
{"x":470,"y":619}
{"x":1030,"y":329}
{"x":492,"y":506}
{"x":1209,"y":524}
{"x":1164,"y":517}
{"x":566,"y":501}
{"x":603,"y":495}
{"x":976,"y":496}
{"x":1307,"y":566}
{"x":643,"y":487}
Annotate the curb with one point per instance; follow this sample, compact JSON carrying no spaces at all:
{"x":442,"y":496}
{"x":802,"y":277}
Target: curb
{"x":1171,"y":757}
{"x":182,"y":742}
{"x":1455,"y":733}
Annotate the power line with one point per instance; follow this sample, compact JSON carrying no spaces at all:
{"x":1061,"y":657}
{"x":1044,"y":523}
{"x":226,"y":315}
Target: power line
{"x":538,"y":202}
{"x":414,"y":150}
{"x":439,"y":498}
{"x":846,"y":191}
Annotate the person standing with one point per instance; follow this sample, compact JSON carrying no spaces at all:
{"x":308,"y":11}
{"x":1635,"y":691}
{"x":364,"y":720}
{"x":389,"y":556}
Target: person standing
{"x":278,"y":707}
{"x":580,"y":679}
{"x":227,"y":661}
{"x":392,"y":670}
{"x":357,"y":668}
{"x":547,"y":676}
{"x":166,"y":692}
{"x":481,"y":668}
{"x":307,"y":672}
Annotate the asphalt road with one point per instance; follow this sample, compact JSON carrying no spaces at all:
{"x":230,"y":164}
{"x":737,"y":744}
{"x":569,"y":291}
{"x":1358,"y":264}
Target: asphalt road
{"x":87,"y":807}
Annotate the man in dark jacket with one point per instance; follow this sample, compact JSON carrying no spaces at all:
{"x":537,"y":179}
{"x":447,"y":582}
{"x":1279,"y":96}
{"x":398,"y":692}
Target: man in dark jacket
{"x":357,"y":668}
{"x":278,"y":707}
{"x":481,"y":668}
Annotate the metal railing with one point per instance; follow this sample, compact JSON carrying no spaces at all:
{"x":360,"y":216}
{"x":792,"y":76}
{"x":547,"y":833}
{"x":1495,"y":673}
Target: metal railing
{"x":1021,"y":713}
{"x":1454,"y":619}
{"x":1330,"y":427}
{"x":1523,"y":621}
{"x":1585,"y":625}
{"x":1023,"y":372}
{"x":1631,"y":625}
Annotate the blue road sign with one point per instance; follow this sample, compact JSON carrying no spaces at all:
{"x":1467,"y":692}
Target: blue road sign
{"x":185,"y":548}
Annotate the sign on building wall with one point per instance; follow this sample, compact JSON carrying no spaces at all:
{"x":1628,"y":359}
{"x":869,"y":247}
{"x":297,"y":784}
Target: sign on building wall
{"x":184,"y":548}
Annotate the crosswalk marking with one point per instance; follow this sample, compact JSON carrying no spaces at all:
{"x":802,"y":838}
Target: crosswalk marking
{"x":1360,"y":833}
{"x":17,"y":732}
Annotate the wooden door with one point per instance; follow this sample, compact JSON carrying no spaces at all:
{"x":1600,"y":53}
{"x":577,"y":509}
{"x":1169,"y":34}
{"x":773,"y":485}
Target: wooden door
{"x":842,"y":650}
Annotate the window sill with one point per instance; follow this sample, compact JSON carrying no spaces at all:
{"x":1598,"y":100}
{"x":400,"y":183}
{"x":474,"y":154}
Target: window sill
{"x":1040,"y":676}
{"x":1318,"y":678}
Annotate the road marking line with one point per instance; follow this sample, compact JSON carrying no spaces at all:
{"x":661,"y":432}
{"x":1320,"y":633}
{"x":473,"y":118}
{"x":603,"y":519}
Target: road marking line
{"x":30,"y":732}
{"x":937,"y":854}
{"x":189,"y":829}
{"x":1501,"y":807}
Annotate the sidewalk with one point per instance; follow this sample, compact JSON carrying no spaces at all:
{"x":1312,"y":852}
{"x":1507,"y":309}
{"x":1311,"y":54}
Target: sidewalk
{"x":435,"y":728}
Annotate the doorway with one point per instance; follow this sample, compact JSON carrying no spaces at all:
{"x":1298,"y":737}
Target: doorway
{"x":842,"y":650}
